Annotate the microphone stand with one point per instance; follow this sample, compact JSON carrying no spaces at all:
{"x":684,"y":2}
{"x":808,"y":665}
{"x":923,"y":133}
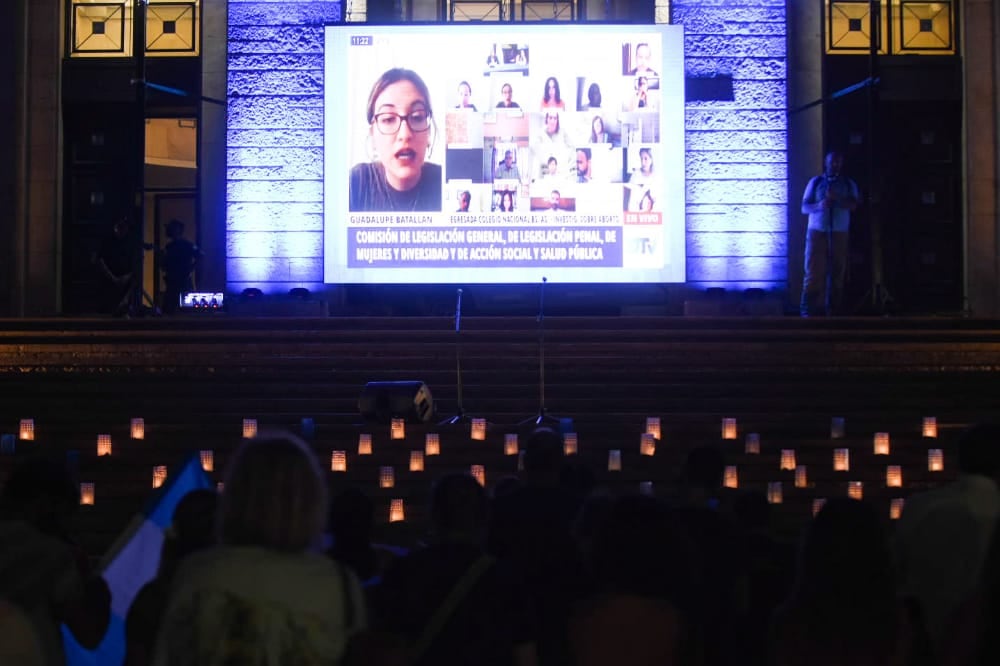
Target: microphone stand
{"x":460,"y":412}
{"x":542,"y":418}
{"x":830,"y":255}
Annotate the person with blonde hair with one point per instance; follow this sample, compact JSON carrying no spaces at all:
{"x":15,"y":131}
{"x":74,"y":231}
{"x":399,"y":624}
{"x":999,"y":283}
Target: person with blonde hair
{"x":265,"y":595}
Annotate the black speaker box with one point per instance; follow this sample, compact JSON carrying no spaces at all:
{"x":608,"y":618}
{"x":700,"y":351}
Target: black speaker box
{"x":384,"y":401}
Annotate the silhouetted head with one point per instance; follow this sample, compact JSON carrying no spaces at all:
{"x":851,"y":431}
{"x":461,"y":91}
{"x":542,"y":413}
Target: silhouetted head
{"x":833,"y":163}
{"x":543,"y":456}
{"x":704,"y":467}
{"x":174,"y":228}
{"x":752,"y":510}
{"x":351,"y":518}
{"x":458,"y":508}
{"x":979,"y":450}
{"x":42,"y":493}
{"x":844,"y":556}
{"x":193,"y":524}
{"x":640,"y":548}
{"x":275,"y":495}
{"x":192,"y":528}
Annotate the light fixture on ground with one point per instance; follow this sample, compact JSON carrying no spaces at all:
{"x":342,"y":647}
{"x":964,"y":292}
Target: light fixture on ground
{"x":338,"y":461}
{"x":841,"y":460}
{"x":881,"y":443}
{"x":87,"y":493}
{"x":477,"y":430}
{"x":614,"y":460}
{"x":787,"y":459}
{"x":653,"y":426}
{"x":896,"y":508}
{"x":478,"y":473}
{"x":159,"y":475}
{"x":935,"y":460}
{"x":894,"y":476}
{"x":801,"y":477}
{"x":416,"y":461}
{"x":386,"y":477}
{"x":730,"y":477}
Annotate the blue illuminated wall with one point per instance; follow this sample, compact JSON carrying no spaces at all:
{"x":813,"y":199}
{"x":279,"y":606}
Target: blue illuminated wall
{"x":274,"y":193}
{"x":736,"y":149}
{"x":737,"y":160}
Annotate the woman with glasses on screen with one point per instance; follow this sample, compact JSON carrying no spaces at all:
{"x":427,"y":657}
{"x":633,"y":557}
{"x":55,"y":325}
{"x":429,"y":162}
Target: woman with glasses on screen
{"x":400,"y":123}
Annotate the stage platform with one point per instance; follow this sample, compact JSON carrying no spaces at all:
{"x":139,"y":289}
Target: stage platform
{"x":195,"y":379}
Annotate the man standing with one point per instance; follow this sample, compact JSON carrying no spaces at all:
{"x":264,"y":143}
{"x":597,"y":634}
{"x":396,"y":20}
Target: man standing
{"x":828,"y":200}
{"x":177,"y":261}
{"x":115,"y":261}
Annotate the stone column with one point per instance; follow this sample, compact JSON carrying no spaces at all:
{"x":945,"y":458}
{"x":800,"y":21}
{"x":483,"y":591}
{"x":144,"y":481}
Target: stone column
{"x":11,"y":46}
{"x":212,"y":166}
{"x":805,"y":129}
{"x":980,"y":35}
{"x":38,"y":213}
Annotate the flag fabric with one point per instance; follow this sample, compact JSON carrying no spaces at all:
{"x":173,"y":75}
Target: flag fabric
{"x":132,"y":561}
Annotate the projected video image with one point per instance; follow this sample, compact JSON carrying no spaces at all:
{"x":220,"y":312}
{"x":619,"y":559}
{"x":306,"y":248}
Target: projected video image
{"x":502,"y":154}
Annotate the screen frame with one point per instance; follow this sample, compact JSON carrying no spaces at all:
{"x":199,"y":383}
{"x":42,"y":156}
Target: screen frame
{"x":337,"y":144}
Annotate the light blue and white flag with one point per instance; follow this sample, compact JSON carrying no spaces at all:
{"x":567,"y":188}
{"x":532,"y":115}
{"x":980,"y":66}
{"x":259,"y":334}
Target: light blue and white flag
{"x":133,"y":560}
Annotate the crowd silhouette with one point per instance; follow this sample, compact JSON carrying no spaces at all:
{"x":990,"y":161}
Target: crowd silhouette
{"x":545,"y":569}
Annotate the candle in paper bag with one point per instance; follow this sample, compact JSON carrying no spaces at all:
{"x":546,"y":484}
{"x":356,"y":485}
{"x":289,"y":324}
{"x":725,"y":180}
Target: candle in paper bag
{"x":87,"y":494}
{"x":338,"y":461}
{"x":510,"y":444}
{"x":416,"y":461}
{"x":432,"y":444}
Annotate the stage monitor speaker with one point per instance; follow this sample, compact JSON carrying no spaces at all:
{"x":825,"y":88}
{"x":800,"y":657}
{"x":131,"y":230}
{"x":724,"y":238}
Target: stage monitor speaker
{"x":384,"y":401}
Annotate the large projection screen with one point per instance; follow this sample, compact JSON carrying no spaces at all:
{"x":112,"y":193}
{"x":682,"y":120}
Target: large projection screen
{"x":476,"y":172}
